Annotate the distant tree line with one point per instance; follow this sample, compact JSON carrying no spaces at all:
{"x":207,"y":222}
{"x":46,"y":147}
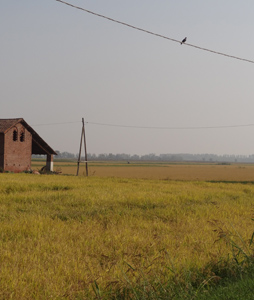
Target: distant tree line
{"x":174,"y":157}
{"x":161,"y":157}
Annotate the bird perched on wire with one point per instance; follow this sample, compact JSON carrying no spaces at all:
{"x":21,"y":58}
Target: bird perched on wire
{"x":184,"y":40}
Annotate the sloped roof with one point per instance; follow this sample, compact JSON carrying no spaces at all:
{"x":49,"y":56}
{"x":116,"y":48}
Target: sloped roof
{"x":39,"y":146}
{"x":6,"y":124}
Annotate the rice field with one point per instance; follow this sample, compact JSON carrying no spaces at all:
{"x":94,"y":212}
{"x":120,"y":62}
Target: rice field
{"x":161,"y":170}
{"x":102,"y":236}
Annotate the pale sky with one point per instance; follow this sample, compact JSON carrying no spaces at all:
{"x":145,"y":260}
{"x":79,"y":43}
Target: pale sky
{"x":59,"y":64}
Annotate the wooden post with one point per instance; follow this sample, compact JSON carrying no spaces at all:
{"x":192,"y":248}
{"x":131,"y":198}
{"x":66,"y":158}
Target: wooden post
{"x":80,"y":148}
{"x":83,"y":121}
{"x":79,"y":156}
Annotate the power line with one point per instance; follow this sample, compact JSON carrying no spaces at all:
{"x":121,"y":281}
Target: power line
{"x":149,"y":127}
{"x":171,"y":128}
{"x":152,"y":33}
{"x":49,"y":124}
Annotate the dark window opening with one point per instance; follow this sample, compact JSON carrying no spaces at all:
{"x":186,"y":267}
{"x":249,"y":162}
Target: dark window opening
{"x":15,"y":135}
{"x":22,"y":136}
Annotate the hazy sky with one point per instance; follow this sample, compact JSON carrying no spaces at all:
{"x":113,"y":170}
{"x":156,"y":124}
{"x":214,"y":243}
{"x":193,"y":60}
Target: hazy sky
{"x":59,"y":64}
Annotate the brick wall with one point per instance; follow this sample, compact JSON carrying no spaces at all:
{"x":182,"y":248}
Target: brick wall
{"x":1,"y":150}
{"x":18,"y":149}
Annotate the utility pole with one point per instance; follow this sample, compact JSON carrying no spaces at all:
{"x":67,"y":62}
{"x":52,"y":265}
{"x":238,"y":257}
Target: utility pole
{"x":83,"y":135}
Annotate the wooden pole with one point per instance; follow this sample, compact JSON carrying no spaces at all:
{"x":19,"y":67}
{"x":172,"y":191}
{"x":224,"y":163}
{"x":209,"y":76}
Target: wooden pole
{"x":83,"y":134}
{"x":83,"y":121}
{"x":79,"y":156}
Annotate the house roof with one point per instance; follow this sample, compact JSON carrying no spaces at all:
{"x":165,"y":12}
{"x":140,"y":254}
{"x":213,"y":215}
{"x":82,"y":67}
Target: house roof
{"x":6,"y":124}
{"x":39,"y":146}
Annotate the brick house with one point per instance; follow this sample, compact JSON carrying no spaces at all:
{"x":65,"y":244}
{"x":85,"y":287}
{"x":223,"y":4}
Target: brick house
{"x":18,"y":141}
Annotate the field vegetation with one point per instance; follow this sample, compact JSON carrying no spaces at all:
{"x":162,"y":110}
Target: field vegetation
{"x":157,"y":170}
{"x":68,"y":237}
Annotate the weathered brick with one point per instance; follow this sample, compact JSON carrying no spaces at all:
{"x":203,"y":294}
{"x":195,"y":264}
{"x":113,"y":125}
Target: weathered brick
{"x":18,"y":141}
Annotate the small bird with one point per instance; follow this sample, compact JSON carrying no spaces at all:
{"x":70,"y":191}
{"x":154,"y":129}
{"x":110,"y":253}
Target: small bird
{"x":184,"y":40}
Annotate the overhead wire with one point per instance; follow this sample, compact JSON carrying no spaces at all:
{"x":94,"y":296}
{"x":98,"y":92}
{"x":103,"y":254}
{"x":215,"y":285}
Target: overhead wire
{"x":172,"y":128}
{"x":149,"y":127}
{"x":153,"y":33}
{"x":165,"y":37}
{"x":62,"y":123}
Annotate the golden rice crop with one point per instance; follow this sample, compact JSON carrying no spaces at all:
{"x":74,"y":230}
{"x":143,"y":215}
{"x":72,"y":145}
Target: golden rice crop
{"x":159,"y":170}
{"x":61,"y":234}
